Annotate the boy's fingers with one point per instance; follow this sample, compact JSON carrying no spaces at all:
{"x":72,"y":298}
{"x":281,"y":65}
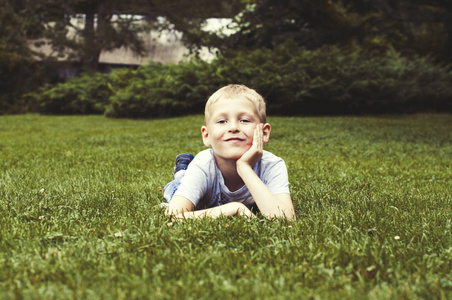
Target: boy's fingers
{"x":260,"y":138}
{"x":256,"y":139}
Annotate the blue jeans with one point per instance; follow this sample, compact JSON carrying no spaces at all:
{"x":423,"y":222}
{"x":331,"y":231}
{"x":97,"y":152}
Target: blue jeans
{"x":171,"y":188}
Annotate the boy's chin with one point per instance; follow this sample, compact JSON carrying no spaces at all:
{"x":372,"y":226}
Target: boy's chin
{"x":229,"y":156}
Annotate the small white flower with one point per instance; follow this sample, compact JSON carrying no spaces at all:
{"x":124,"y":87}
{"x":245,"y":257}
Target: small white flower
{"x":118,"y":234}
{"x":41,"y":217}
{"x":397,"y":237}
{"x":42,"y":191}
{"x":290,"y":226}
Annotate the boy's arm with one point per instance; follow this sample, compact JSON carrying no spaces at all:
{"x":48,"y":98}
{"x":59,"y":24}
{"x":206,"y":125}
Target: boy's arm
{"x":182,"y":208}
{"x":271,"y":205}
{"x":274,"y":206}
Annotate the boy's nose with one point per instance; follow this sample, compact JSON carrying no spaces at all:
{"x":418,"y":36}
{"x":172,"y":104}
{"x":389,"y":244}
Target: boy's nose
{"x":233,"y":127}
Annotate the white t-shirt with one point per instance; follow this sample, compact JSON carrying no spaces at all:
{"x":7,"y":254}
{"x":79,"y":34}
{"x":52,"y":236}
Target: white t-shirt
{"x":203,"y":182}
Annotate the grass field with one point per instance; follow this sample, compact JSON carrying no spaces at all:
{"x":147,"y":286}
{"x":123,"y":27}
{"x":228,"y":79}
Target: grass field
{"x":79,"y":216}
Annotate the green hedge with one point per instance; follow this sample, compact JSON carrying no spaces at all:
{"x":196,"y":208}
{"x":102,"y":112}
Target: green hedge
{"x":162,"y":90}
{"x":329,"y":80}
{"x":332,"y":80}
{"x":87,"y":94}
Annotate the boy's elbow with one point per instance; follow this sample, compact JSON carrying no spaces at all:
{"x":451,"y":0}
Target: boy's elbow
{"x":173,"y":212}
{"x":179,"y":205}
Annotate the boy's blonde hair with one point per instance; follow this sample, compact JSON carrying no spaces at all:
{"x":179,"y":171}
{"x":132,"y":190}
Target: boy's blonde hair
{"x":234,"y":91}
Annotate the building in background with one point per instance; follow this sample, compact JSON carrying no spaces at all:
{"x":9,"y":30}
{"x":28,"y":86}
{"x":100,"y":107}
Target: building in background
{"x":161,"y":46}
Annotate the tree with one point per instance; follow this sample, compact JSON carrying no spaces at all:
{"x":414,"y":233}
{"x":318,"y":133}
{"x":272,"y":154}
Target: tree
{"x":18,"y":72}
{"x":102,"y":25}
{"x":96,"y":26}
{"x":190,"y":16}
{"x":412,"y":27}
{"x":267,"y":23}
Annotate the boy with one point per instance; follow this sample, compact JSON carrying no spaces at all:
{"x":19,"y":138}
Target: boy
{"x":236,"y":173}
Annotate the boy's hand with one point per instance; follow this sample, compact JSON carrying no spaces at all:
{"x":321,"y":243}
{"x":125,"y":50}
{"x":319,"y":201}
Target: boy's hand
{"x":252,"y":156}
{"x":185,"y":210}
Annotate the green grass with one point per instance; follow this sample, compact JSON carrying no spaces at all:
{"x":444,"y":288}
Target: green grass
{"x":79,"y":216}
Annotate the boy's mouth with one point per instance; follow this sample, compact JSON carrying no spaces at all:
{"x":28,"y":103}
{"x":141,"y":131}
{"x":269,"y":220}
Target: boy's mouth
{"x":234,"y":139}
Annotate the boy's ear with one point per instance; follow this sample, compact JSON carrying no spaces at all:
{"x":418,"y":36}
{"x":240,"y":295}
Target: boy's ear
{"x":267,"y":129}
{"x":205,"y":136}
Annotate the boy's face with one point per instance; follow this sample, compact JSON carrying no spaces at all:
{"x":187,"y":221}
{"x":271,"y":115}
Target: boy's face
{"x":230,"y":128}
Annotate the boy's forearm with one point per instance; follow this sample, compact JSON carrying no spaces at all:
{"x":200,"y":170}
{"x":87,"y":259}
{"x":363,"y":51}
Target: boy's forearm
{"x":267,"y":202}
{"x":229,"y":209}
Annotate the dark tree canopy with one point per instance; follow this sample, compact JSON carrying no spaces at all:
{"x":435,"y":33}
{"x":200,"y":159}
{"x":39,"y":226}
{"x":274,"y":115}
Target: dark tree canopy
{"x":418,"y":26}
{"x":102,"y":25}
{"x":411,"y":27}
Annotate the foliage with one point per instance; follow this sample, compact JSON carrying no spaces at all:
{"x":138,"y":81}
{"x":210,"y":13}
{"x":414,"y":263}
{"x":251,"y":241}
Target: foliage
{"x":418,"y":27}
{"x":421,"y":27}
{"x":18,"y":77}
{"x":80,"y":30}
{"x":269,"y":23}
{"x":338,"y":80}
{"x":162,"y":90}
{"x":18,"y":73}
{"x":87,"y":94}
{"x":329,"y":80}
{"x":79,"y":196}
{"x":190,"y":18}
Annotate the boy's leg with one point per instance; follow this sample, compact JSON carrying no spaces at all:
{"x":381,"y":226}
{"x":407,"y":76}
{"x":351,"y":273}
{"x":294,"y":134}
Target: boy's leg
{"x":182,"y":162}
{"x":171,"y":188}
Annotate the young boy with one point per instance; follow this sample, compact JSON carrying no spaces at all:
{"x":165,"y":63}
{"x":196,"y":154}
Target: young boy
{"x":236,"y":173}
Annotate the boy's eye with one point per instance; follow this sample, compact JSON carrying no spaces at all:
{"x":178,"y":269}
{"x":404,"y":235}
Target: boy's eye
{"x":221,"y":121}
{"x":245,"y":121}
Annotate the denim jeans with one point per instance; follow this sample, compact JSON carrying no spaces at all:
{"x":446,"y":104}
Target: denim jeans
{"x":171,"y":187}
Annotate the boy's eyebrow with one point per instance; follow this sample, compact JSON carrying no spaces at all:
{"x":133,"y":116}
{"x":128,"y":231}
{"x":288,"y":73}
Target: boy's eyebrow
{"x":225,"y":114}
{"x":216,"y":115}
{"x":240,"y":114}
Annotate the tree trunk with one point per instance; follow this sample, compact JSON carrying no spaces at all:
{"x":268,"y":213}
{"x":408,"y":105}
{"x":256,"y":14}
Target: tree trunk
{"x":89,"y":42}
{"x":93,"y":36}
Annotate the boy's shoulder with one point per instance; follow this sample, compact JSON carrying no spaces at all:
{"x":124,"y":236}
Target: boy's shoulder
{"x":205,"y":155}
{"x":204,"y":159}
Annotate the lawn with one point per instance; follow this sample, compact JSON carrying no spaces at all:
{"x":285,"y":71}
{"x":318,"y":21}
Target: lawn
{"x":79,"y":214}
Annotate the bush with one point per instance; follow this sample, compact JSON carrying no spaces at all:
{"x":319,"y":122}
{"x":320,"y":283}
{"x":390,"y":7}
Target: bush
{"x":87,"y":94}
{"x":329,"y":80}
{"x":333,"y":80}
{"x":162,"y":90}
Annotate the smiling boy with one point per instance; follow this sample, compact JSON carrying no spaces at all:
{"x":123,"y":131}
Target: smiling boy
{"x":236,"y":173}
